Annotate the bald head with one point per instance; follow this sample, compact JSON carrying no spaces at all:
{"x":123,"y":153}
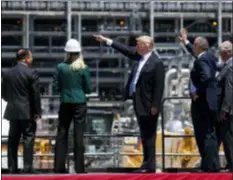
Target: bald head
{"x":24,"y":55}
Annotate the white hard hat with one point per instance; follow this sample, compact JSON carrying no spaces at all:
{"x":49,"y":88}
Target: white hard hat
{"x":72,"y":45}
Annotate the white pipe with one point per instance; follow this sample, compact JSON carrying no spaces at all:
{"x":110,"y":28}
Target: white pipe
{"x":169,"y":75}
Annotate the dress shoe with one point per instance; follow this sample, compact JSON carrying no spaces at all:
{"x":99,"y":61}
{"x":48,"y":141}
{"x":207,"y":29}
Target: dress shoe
{"x":145,"y":171}
{"x":227,"y":170}
{"x":14,"y":171}
{"x":61,"y":171}
{"x":29,"y":171}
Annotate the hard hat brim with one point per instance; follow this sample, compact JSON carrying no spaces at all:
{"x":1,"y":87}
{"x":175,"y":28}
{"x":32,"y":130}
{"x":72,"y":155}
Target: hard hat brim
{"x":70,"y":50}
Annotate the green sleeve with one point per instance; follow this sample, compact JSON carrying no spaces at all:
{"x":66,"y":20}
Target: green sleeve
{"x":87,"y":81}
{"x":56,"y":82}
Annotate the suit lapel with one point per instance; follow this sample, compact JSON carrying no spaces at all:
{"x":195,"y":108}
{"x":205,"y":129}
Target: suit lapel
{"x":146,"y":65}
{"x":223,"y":71}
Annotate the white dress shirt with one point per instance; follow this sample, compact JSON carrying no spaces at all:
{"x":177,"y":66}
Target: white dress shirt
{"x":141,"y":64}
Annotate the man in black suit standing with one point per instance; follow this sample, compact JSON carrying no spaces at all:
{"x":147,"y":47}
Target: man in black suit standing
{"x":20,"y":88}
{"x":204,"y":101}
{"x":145,"y":86}
{"x":225,"y":125}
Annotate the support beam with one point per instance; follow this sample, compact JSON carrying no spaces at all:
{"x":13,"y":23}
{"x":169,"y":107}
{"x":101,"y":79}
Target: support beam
{"x":69,"y":20}
{"x":80,"y":28}
{"x":219,"y":22}
{"x":231,"y":23}
{"x":152,"y":19}
{"x":181,"y":21}
{"x":32,"y":29}
{"x":26,"y":30}
{"x":157,"y":14}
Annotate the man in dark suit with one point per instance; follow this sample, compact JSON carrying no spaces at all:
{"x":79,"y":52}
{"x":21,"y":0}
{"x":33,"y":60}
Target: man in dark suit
{"x":20,"y":88}
{"x":204,"y":101}
{"x":225,"y":125}
{"x":145,"y":86}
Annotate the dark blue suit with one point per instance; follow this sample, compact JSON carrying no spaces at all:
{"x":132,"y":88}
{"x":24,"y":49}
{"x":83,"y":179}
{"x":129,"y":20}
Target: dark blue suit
{"x":204,"y":109}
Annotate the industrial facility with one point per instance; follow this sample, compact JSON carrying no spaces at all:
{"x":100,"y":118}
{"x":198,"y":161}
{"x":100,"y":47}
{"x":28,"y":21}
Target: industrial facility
{"x":44,"y":26}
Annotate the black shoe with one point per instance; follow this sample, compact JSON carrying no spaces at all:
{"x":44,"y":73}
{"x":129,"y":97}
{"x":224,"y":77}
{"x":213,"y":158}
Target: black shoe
{"x":227,"y":170}
{"x":29,"y":171}
{"x":61,"y":171}
{"x":14,"y":171}
{"x":144,"y":171}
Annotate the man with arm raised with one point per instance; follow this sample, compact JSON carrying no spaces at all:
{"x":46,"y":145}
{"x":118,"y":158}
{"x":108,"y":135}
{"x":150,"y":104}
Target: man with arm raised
{"x":145,"y":86}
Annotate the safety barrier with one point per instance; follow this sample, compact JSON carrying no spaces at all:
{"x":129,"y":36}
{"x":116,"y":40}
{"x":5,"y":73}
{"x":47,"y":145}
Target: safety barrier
{"x":114,"y":142}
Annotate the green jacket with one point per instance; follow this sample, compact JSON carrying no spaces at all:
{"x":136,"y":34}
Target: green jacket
{"x":72,"y":85}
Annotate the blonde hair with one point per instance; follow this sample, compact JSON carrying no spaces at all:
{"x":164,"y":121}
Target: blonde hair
{"x":147,"y":40}
{"x":78,"y":64}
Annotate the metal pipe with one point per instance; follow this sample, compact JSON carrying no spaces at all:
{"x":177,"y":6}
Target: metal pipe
{"x":121,"y":154}
{"x":159,"y":14}
{"x":169,"y":75}
{"x":181,"y":21}
{"x":152,"y":19}
{"x":69,"y":21}
{"x":123,"y":1}
{"x":80,"y":29}
{"x":26,"y":31}
{"x":219,"y":23}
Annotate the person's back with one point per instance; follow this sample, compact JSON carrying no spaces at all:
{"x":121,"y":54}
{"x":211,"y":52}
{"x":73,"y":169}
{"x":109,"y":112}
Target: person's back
{"x":20,"y":89}
{"x":17,"y":91}
{"x":17,"y":83}
{"x":201,"y":82}
{"x":72,"y":81}
{"x":74,"y":84}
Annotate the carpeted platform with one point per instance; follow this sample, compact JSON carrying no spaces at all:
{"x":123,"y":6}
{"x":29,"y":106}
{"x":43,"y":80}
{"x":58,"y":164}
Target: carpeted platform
{"x":102,"y":176}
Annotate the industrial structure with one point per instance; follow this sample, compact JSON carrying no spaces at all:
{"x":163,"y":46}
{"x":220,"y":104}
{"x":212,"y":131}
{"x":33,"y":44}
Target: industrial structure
{"x":45,"y":25}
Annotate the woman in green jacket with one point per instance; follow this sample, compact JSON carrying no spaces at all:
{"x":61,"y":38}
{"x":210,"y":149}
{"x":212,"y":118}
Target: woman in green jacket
{"x":72,"y":81}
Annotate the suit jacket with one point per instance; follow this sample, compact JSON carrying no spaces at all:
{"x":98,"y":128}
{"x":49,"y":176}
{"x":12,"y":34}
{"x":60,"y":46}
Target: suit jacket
{"x":20,"y":88}
{"x":221,"y":78}
{"x":227,"y":104}
{"x":203,"y":77}
{"x":150,"y":84}
{"x":72,"y":85}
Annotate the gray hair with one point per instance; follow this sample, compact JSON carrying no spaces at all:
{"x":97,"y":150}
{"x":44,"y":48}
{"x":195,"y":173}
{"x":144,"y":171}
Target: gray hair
{"x":226,"y":46}
{"x":203,"y":43}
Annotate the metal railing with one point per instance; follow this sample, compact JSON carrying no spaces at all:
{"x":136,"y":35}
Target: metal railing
{"x":163,"y":129}
{"x":115,"y":144}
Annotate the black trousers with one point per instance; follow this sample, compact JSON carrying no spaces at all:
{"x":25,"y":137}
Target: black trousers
{"x":27,"y":128}
{"x":225,"y":135}
{"x":204,"y":121}
{"x":67,"y":113}
{"x":148,"y":127}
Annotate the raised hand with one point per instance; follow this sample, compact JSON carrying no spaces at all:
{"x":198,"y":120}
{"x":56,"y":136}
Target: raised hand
{"x":183,"y":35}
{"x":100,"y":38}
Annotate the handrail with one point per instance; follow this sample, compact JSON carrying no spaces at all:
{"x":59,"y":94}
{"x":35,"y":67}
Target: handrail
{"x":163,"y":128}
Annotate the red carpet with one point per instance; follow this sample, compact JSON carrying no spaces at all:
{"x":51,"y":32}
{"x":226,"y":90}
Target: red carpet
{"x":162,"y":176}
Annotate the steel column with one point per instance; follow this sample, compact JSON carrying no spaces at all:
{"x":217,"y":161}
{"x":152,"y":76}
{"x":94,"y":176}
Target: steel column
{"x":26,"y":30}
{"x":219,"y":22}
{"x":80,"y":28}
{"x":69,"y":21}
{"x":152,"y":19}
